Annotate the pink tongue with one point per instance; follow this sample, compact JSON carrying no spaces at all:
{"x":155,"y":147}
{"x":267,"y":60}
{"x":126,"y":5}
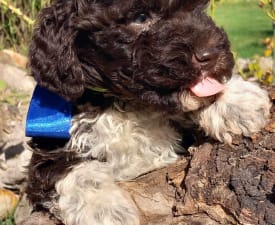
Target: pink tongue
{"x":207,"y":87}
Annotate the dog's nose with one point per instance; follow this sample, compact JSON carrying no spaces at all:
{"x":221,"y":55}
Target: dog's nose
{"x":206,"y":57}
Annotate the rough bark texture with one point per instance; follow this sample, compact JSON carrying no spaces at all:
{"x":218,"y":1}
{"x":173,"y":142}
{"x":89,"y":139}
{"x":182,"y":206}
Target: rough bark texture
{"x":215,"y":184}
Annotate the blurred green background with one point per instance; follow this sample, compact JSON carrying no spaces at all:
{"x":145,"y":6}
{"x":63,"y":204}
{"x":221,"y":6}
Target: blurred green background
{"x":16,"y":22}
{"x":246,"y":24}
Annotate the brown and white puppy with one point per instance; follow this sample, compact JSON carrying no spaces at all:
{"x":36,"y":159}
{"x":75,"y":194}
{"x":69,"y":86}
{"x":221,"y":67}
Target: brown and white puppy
{"x":153,"y":66}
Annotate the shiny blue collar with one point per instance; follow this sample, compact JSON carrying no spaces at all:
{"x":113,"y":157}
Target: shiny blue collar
{"x":49,"y":115}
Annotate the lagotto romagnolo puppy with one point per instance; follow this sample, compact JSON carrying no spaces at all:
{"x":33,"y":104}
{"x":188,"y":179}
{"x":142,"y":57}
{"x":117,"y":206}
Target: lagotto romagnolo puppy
{"x":136,"y":72}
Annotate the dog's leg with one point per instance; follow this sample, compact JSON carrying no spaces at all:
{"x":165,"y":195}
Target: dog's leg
{"x":88,"y":195}
{"x":243,"y":108}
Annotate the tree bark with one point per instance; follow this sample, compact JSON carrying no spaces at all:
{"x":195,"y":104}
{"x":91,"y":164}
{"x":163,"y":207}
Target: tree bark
{"x":214,"y":184}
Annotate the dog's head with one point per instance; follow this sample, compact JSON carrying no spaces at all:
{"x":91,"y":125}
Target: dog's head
{"x":146,"y":50}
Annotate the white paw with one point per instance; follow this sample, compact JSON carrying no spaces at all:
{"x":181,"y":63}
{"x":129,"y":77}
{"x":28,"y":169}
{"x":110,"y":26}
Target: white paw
{"x":88,"y":195}
{"x":243,"y":108}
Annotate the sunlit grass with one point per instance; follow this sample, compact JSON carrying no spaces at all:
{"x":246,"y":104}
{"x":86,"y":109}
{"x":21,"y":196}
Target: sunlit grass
{"x":16,"y":22}
{"x":246,"y":25}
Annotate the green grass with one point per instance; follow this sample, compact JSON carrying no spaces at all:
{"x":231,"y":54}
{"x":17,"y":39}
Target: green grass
{"x":15,"y":31}
{"x":7,"y":221}
{"x":246,"y":25}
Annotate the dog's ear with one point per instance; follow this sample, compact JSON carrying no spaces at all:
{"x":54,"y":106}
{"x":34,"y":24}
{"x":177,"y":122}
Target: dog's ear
{"x":53,"y":59}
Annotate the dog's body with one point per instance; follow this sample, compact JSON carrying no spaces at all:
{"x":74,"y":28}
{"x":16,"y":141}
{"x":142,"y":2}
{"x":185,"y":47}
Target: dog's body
{"x":145,"y":56}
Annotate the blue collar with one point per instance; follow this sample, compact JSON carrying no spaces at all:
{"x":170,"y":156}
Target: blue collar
{"x":49,"y":115}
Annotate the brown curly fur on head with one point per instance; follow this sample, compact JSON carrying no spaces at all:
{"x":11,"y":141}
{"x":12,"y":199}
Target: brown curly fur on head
{"x":142,"y":50}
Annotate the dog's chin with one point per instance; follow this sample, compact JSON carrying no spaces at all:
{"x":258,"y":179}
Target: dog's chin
{"x":202,"y":93}
{"x":190,"y":102}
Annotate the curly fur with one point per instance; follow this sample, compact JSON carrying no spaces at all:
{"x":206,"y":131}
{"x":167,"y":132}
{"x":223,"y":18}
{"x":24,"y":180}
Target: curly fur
{"x":81,"y":43}
{"x":145,"y":55}
{"x":243,"y":108}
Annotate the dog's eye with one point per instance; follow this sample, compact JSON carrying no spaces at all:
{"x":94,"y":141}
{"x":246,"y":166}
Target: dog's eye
{"x":140,"y":17}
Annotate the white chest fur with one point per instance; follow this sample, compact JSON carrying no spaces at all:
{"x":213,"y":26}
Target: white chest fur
{"x":130,"y":143}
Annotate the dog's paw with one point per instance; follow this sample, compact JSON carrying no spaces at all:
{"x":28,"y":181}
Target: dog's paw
{"x":243,"y":108}
{"x":88,"y":195}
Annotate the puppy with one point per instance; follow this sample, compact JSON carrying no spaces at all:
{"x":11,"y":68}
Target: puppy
{"x":136,"y":72}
